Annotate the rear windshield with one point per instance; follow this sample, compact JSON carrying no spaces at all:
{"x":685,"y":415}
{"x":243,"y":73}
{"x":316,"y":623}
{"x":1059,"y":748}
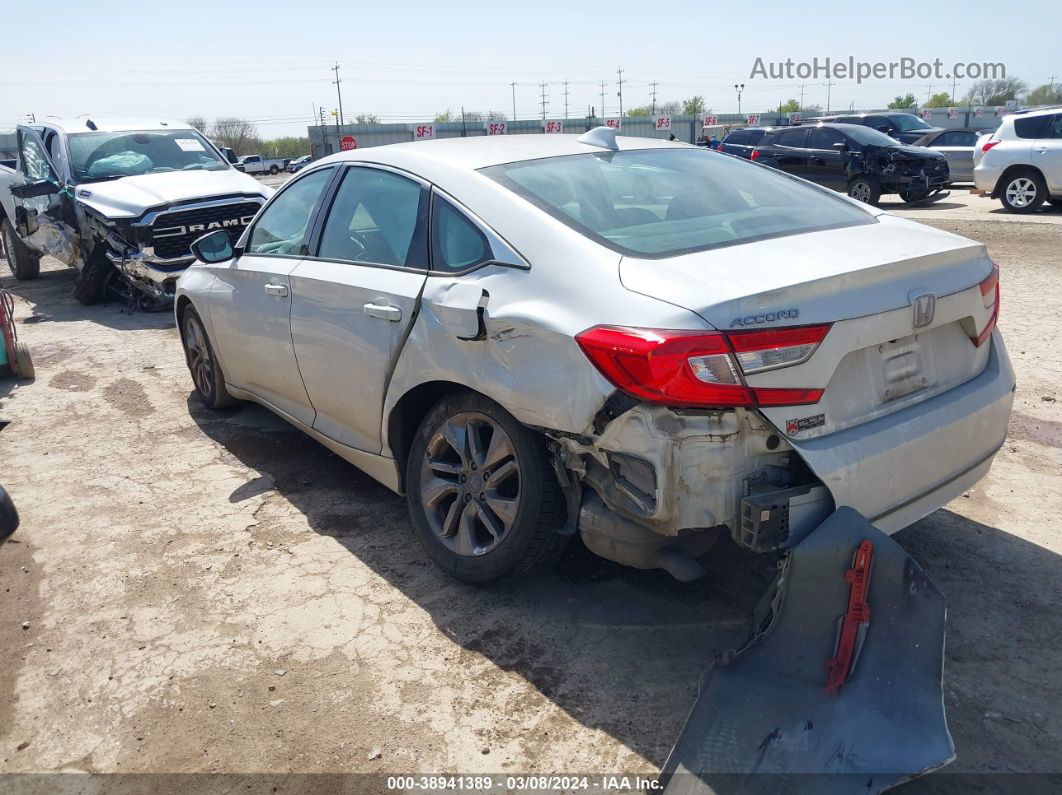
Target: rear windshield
{"x":664,"y":202}
{"x":905,"y":122}
{"x":867,"y":136}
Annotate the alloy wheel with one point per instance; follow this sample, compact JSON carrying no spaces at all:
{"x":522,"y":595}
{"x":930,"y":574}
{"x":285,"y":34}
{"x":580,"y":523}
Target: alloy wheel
{"x":470,"y":484}
{"x":1021,"y":192}
{"x":199,"y":360}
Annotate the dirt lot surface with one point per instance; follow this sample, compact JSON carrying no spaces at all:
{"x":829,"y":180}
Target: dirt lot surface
{"x":193,"y":591}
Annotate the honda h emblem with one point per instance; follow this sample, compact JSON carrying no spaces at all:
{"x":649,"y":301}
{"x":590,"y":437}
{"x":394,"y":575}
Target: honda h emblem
{"x":925,"y":306}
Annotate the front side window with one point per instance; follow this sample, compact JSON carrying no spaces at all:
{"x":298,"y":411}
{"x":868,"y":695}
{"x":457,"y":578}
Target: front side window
{"x":664,"y":202}
{"x":377,"y":217}
{"x":457,"y":243}
{"x":35,"y":163}
{"x":281,"y":228}
{"x":865,"y":136}
{"x":110,"y":155}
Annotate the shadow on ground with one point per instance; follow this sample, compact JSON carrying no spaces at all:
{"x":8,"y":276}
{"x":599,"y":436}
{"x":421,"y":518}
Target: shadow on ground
{"x":622,"y":650}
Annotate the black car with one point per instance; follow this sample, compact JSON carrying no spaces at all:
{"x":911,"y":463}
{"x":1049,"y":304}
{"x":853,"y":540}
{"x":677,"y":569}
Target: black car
{"x":856,"y":160}
{"x":742,"y":142}
{"x":904,"y":127}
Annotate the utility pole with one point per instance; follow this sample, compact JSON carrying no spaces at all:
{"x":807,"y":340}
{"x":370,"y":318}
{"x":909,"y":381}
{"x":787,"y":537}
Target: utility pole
{"x":339,"y":93}
{"x":929,"y":92}
{"x":566,"y":99}
{"x":602,"y":99}
{"x":514,"y":100}
{"x":653,"y":92}
{"x":619,"y":84}
{"x":954,"y":82}
{"x":464,"y":132}
{"x":829,"y":87}
{"x":543,"y":101}
{"x":802,"y":85}
{"x":739,"y":87}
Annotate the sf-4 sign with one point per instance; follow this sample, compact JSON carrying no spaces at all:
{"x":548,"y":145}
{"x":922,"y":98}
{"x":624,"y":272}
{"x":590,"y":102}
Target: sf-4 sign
{"x":496,"y":128}
{"x":422,"y":132}
{"x":553,"y":126}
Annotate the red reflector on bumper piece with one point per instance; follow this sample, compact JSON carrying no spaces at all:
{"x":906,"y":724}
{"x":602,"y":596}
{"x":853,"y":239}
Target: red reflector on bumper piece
{"x":855,"y":619}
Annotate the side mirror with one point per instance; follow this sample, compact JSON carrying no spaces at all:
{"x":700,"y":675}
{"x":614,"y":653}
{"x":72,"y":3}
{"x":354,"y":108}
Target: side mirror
{"x":31,"y":190}
{"x":8,"y":516}
{"x":883,"y":128}
{"x":213,"y":247}
{"x":840,"y":146}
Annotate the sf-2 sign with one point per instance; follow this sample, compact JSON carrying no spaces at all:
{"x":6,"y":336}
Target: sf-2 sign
{"x":496,"y":128}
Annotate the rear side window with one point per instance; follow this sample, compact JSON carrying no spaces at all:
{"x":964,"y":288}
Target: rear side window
{"x":738,"y":137}
{"x":824,"y":138}
{"x":457,"y":243}
{"x":755,"y":136}
{"x":1033,"y":127}
{"x":1054,"y":127}
{"x":663,"y":202}
{"x":376,"y":217}
{"x":955,"y":138}
{"x":791,"y":138}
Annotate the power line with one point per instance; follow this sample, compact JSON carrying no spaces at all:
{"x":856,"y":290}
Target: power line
{"x":339,"y":93}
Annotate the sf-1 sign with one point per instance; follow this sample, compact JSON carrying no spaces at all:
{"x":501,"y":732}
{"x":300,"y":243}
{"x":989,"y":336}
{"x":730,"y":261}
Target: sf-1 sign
{"x":422,"y":132}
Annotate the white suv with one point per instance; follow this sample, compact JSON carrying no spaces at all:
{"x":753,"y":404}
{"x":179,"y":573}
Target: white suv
{"x":1021,"y":162}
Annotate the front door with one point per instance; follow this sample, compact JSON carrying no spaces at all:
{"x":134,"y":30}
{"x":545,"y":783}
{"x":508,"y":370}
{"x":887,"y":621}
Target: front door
{"x":44,"y":209}
{"x":250,"y":302}
{"x":355,"y":301}
{"x":826,"y":161}
{"x":1047,"y":154}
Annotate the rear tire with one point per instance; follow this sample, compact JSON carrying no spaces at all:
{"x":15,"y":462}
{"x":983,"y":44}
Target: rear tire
{"x":492,"y":508}
{"x":1023,"y":191}
{"x":207,"y":377}
{"x":865,"y":189}
{"x":24,"y":263}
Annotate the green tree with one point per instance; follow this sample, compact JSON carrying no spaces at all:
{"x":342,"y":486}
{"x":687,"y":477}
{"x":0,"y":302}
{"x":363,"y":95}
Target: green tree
{"x":642,"y":112}
{"x":289,"y":146}
{"x":446,"y":117}
{"x":995,"y":92}
{"x":903,"y":103}
{"x":694,"y":106}
{"x":366,"y":118}
{"x":789,"y":106}
{"x":1047,"y":94}
{"x":941,"y":100}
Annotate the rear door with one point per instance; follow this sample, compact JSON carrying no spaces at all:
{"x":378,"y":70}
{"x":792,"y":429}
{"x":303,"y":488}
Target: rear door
{"x":957,"y":147}
{"x":826,"y":162}
{"x":790,"y":153}
{"x":1047,"y":154}
{"x":250,"y":302}
{"x":44,"y":210}
{"x":356,"y":299}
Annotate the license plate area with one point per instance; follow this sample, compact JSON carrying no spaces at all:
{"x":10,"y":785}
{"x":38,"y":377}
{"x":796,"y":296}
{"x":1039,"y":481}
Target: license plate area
{"x":906,"y":366}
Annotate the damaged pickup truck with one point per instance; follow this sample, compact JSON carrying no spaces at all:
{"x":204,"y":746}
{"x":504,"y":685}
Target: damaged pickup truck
{"x":856,"y":160}
{"x":120,"y":202}
{"x":639,"y":342}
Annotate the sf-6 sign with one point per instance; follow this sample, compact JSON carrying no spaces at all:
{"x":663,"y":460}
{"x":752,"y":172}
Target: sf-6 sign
{"x":553,"y":126}
{"x":614,"y":123}
{"x":663,"y":122}
{"x":423,"y":132}
{"x":710,"y":121}
{"x":495,"y":128}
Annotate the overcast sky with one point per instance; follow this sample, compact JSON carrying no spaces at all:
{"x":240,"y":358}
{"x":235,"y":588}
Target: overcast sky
{"x":405,"y":61}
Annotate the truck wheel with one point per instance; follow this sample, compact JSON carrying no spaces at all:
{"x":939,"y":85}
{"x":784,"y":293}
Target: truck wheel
{"x":91,"y":285}
{"x":206,"y":373}
{"x":24,"y":263}
{"x":23,"y":361}
{"x":1023,"y":192}
{"x":482,"y":494}
{"x":865,"y":189}
{"x":274,"y":170}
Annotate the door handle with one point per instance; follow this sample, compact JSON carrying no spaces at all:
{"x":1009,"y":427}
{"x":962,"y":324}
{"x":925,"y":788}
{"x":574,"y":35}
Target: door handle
{"x":1040,"y":149}
{"x":383,"y":311}
{"x":279,"y":290}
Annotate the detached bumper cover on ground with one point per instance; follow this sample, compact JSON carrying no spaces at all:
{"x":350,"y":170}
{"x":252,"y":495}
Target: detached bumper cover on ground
{"x":764,"y":722}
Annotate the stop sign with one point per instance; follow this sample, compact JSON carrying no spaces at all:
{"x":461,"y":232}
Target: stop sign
{"x":347,"y":143}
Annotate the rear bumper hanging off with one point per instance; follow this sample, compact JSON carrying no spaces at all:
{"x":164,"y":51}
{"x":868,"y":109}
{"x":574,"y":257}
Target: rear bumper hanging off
{"x":870,"y":626}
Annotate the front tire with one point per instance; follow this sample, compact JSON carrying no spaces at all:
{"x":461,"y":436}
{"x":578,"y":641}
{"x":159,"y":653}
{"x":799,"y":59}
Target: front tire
{"x":206,"y":372}
{"x":274,"y":170}
{"x":482,"y":494}
{"x":24,"y":263}
{"x":1023,"y":191}
{"x":91,"y":285}
{"x":865,"y":189}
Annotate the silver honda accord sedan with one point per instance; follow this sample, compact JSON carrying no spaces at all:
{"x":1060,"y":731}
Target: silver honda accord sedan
{"x":640,"y":342}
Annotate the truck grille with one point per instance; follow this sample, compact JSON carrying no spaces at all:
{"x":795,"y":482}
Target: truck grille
{"x":173,"y":233}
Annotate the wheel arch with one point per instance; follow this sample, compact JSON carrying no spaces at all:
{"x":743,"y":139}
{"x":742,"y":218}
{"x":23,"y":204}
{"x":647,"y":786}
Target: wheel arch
{"x":1010,"y":171}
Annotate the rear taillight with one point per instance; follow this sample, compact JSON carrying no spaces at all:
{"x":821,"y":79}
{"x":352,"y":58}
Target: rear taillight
{"x":990,"y":296}
{"x":988,"y":145}
{"x":755,"y":154}
{"x":696,"y":368}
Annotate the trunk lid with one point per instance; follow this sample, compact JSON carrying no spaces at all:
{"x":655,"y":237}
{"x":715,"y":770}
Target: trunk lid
{"x":865,"y":280}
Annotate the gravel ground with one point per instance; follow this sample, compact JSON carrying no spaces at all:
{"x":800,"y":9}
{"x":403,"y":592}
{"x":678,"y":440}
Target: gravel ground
{"x":200,"y":592}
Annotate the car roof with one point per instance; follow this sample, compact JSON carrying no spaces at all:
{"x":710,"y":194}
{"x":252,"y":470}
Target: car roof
{"x":831,"y":125}
{"x":1051,"y":109}
{"x":476,"y":152}
{"x":80,"y":125}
